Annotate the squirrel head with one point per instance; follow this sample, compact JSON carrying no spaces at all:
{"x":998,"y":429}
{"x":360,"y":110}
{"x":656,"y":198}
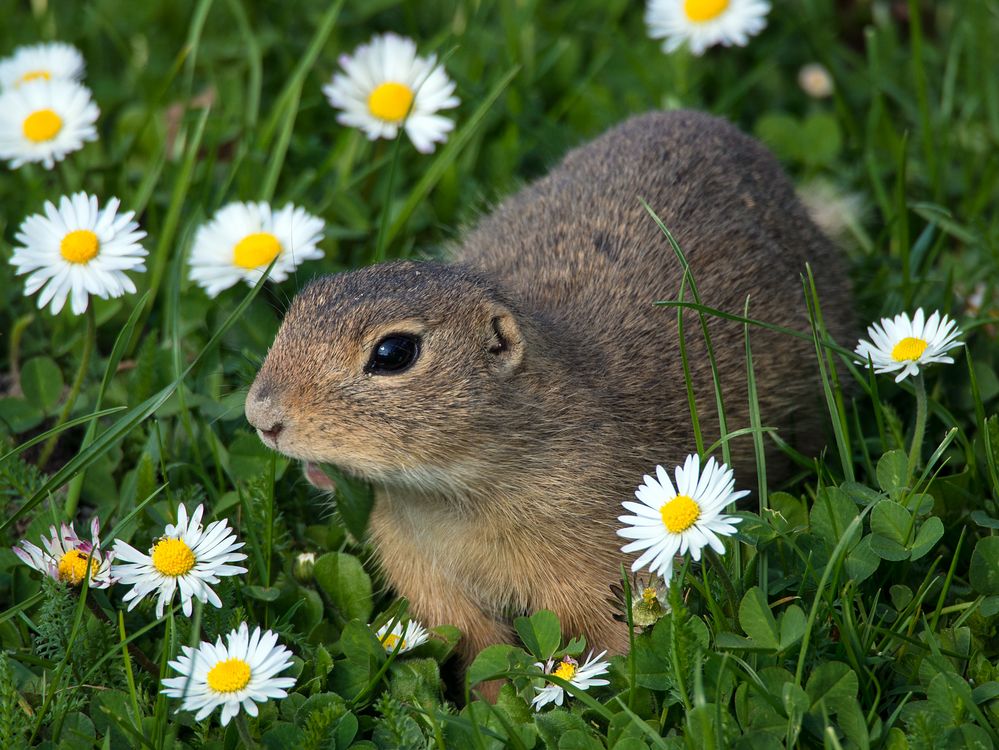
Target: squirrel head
{"x":397,"y":373}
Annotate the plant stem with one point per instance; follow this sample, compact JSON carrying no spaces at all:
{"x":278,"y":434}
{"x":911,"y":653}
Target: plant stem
{"x":244,"y":732}
{"x":915,"y":450}
{"x":89,"y":339}
{"x":381,"y":243}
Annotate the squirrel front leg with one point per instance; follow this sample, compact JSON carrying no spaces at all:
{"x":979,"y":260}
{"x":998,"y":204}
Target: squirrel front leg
{"x":434,"y":598}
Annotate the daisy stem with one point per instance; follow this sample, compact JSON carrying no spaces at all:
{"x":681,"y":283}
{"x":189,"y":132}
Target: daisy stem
{"x":915,"y":451}
{"x":244,"y":731}
{"x":89,"y":339}
{"x":382,"y":242}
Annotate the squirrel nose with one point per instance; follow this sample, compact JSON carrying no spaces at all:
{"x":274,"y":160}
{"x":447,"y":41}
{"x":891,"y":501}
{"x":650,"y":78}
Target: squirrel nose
{"x":270,"y":435}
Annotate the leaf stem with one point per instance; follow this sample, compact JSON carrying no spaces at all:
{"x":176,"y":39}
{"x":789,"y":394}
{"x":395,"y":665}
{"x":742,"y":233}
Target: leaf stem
{"x":915,"y":450}
{"x":89,"y":339}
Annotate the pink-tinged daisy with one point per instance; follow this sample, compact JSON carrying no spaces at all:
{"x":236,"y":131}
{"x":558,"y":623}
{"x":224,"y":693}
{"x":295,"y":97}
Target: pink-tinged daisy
{"x":66,"y":557}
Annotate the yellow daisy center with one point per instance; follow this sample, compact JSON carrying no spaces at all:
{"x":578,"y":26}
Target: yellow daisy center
{"x":172,"y":557}
{"x":391,"y":101}
{"x":700,"y":11}
{"x":79,"y":246}
{"x":908,"y":349}
{"x":72,"y":566}
{"x":255,"y":250}
{"x":42,"y":125}
{"x":649,"y":595}
{"x":34,"y":75}
{"x":680,"y":513}
{"x":229,"y":676}
{"x":566,"y":670}
{"x":390,"y":641}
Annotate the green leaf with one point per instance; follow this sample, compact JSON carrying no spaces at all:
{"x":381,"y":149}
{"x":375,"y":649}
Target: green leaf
{"x":346,"y":583}
{"x":929,"y":534}
{"x":18,"y":415}
{"x":821,"y":139}
{"x":541,"y":633}
{"x":984,"y":568}
{"x":41,"y":381}
{"x":262,"y":593}
{"x":830,"y":682}
{"x":757,"y":620}
{"x":891,"y":520}
{"x":354,"y":500}
{"x":491,"y":662}
{"x":249,"y":457}
{"x":792,"y":626}
{"x":862,"y":561}
{"x":893,"y":471}
{"x":888,"y":549}
{"x":782,"y":133}
{"x":832,"y":514}
{"x":793,"y":513}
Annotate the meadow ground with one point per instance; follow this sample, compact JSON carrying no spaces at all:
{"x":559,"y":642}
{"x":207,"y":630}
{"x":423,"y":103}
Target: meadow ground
{"x":858,"y":604}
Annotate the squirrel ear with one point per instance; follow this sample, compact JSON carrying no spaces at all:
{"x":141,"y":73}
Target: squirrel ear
{"x":504,"y":341}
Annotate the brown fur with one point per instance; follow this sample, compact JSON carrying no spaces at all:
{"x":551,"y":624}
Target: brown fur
{"x":548,"y":382}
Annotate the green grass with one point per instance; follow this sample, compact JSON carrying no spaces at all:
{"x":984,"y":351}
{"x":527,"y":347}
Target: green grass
{"x":860,"y":606}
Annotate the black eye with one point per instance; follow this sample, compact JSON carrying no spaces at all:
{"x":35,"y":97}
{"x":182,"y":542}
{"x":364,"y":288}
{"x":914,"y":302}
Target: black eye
{"x":393,"y":354}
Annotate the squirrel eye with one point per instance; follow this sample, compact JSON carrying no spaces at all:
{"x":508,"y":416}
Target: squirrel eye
{"x":393,"y":354}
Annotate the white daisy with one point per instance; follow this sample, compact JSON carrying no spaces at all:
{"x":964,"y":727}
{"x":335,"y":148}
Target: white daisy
{"x":402,"y":638}
{"x":185,"y":557}
{"x":65,"y":556}
{"x":705,"y":23}
{"x":52,"y":61}
{"x":815,"y":80}
{"x":242,"y":239}
{"x":901,"y":344}
{"x":583,"y":677}
{"x":42,"y":121}
{"x":78,"y":250}
{"x":386,"y":86}
{"x":672,"y":521}
{"x":240,"y":673}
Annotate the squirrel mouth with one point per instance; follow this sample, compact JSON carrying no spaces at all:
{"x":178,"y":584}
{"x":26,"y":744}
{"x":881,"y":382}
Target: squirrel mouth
{"x":317,"y":477}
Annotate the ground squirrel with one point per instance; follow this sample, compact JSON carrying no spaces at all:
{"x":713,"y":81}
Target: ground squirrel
{"x":506,"y":402}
